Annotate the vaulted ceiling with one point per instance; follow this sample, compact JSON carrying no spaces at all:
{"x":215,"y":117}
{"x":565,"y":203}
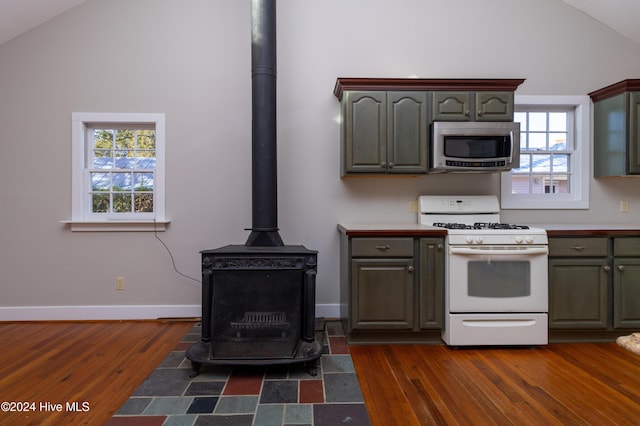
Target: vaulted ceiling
{"x":18,"y":16}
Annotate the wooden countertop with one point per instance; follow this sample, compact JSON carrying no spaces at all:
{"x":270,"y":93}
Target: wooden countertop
{"x":414,"y":229}
{"x":391,"y":229}
{"x":589,"y":229}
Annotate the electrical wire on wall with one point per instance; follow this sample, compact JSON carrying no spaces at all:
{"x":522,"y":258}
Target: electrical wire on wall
{"x":173,"y":262}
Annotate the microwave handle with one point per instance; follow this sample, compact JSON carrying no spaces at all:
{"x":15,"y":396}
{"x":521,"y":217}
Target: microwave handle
{"x":519,"y":251}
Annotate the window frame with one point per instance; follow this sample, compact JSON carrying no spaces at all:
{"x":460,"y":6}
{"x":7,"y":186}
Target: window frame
{"x":578,"y":198}
{"x":82,"y":218}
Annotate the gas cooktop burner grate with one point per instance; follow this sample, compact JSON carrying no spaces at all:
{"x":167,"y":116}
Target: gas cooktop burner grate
{"x":479,"y":225}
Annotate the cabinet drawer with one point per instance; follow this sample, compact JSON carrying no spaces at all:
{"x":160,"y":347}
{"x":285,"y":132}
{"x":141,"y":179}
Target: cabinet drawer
{"x":578,"y":246}
{"x":382,"y":247}
{"x":626,"y":246}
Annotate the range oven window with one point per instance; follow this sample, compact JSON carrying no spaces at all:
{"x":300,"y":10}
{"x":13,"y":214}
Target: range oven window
{"x":499,"y":279}
{"x":476,"y":147}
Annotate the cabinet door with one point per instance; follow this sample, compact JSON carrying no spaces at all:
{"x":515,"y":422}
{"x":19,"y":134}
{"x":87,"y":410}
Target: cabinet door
{"x":626,"y":293}
{"x":610,"y":126}
{"x":494,"y":106}
{"x":364,"y":132}
{"x":451,"y":106}
{"x":382,"y":293}
{"x":407,"y":132}
{"x":578,"y":293}
{"x":431,"y":283}
{"x":634,"y":134}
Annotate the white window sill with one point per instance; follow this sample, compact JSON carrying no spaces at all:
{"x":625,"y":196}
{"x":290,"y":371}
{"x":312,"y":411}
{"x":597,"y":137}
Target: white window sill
{"x":117,"y":225}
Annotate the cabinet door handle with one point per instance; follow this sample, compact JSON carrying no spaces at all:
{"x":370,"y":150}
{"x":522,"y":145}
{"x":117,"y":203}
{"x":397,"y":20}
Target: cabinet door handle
{"x":410,"y":268}
{"x":391,"y":165}
{"x":606,"y":268}
{"x":383,"y":164}
{"x":439,"y":247}
{"x":578,"y":248}
{"x":620,"y":268}
{"x":383,"y":248}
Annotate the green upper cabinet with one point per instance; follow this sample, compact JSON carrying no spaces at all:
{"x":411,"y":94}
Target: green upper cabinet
{"x":473,"y":106}
{"x":616,"y":112}
{"x":386,"y":121}
{"x":384,"y":132}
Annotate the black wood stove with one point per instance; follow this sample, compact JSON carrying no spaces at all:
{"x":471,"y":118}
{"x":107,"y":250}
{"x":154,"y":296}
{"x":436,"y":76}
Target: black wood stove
{"x":258,"y":299}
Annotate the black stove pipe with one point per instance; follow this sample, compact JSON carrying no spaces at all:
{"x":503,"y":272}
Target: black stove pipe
{"x":264,"y":230}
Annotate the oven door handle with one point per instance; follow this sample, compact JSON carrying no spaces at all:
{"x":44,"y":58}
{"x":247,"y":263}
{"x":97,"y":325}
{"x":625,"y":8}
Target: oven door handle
{"x":506,"y":251}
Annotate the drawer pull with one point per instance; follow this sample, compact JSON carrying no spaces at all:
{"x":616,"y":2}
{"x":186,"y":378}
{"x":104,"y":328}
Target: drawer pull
{"x":606,"y":268}
{"x":410,"y":268}
{"x":383,"y":248}
{"x":620,"y":268}
{"x":578,"y":248}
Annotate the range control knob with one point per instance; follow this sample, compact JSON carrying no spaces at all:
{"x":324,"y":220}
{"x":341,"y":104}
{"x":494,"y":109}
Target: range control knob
{"x":479,"y":240}
{"x":469,"y":240}
{"x":519,"y":240}
{"x":529,"y":240}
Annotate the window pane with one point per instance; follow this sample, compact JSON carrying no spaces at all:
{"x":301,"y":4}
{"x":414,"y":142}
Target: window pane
{"x":146,"y":162}
{"x":537,"y":121}
{"x":102,"y":160}
{"x":524,"y":139}
{"x":100,"y":181}
{"x":557,"y":141}
{"x":540,"y":185}
{"x":103,"y":139}
{"x":124,"y":159}
{"x":541,"y":163}
{"x":143,"y":203}
{"x":122,"y":202}
{"x":521,"y":117}
{"x":557,"y":121}
{"x":143,"y":181}
{"x":99,"y":203}
{"x":561,"y":184}
{"x":122,"y":182}
{"x":560,"y":163}
{"x":538,"y":141}
{"x":520,"y":184}
{"x":124,"y":139}
{"x":525,"y":164}
{"x":147,"y":139}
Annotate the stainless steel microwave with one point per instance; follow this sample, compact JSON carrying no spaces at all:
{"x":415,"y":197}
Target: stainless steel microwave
{"x":474,"y":146}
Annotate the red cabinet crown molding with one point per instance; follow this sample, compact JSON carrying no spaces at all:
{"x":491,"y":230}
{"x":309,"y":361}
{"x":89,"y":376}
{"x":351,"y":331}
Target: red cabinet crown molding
{"x":629,"y":85}
{"x":391,"y":84}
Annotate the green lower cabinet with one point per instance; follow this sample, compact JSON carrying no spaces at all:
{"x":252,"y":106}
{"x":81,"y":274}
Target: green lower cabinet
{"x":578,"y":297}
{"x":431,"y":283}
{"x":391,"y":288}
{"x":382,"y":294}
{"x":626,"y":293}
{"x":594,"y":283}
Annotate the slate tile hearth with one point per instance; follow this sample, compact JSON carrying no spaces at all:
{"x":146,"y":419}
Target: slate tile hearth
{"x":242,"y":395}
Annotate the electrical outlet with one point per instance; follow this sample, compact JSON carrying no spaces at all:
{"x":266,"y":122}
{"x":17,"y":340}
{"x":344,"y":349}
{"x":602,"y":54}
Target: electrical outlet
{"x":120,"y":283}
{"x":413,"y":206}
{"x":624,"y":206}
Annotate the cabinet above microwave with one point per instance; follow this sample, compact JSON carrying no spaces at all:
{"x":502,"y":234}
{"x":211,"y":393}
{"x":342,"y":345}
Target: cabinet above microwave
{"x":386,"y":122}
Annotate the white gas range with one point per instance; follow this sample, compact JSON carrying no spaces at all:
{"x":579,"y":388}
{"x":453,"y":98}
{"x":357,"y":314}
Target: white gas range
{"x":496,"y":285}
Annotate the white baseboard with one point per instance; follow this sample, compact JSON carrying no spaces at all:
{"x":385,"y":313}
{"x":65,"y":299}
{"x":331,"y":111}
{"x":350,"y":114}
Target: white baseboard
{"x":328,"y":310}
{"x":124,"y":312}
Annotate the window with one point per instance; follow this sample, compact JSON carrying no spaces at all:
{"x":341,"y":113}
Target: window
{"x":118,"y":171}
{"x":554,"y":160}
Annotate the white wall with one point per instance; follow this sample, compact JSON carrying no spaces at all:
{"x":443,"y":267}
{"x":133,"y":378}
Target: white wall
{"x":191,"y":61}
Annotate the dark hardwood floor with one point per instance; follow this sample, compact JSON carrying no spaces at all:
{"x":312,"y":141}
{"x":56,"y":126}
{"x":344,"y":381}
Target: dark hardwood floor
{"x":102,"y":363}
{"x":43,"y":364}
{"x":558,"y":384}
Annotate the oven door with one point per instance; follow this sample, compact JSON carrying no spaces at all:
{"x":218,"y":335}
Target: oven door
{"x":497,"y":279}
